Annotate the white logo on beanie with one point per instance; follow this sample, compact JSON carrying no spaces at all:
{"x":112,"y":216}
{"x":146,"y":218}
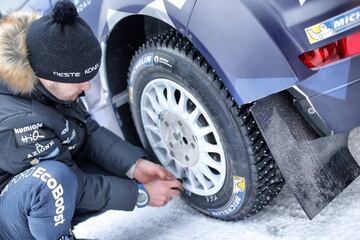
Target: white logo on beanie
{"x":68,"y":74}
{"x":91,"y":69}
{"x":77,"y":74}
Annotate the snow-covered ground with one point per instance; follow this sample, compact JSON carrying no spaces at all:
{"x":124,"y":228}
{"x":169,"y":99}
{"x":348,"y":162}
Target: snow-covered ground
{"x":283,"y":219}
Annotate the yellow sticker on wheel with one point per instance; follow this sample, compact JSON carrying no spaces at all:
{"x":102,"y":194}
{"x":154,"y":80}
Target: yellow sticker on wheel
{"x":235,"y":201}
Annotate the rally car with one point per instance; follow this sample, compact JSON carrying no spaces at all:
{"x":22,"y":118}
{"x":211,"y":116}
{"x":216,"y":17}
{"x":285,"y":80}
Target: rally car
{"x":233,"y":97}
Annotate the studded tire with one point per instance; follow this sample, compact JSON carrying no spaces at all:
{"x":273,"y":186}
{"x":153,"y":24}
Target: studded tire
{"x":252,"y":176}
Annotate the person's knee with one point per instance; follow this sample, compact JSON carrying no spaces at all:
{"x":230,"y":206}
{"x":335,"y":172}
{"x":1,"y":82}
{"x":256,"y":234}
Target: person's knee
{"x":44,"y":197}
{"x":54,"y":174}
{"x":58,"y":191}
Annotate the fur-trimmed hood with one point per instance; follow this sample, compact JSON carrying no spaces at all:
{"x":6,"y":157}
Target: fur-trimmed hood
{"x":15,"y":70}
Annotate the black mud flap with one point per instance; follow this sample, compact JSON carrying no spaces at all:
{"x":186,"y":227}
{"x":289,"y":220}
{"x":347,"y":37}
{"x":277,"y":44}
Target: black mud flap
{"x":317,"y":169}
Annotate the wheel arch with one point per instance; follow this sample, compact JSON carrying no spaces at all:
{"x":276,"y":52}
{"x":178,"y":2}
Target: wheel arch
{"x":246,"y":86}
{"x":127,"y":35}
{"x":124,"y":39}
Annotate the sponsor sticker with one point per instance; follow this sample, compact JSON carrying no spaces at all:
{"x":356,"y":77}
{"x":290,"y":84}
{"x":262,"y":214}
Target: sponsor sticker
{"x":333,"y":26}
{"x":72,"y":147}
{"x":28,"y":128}
{"x":51,"y":155}
{"x":66,"y":129}
{"x":40,"y":149}
{"x":235,"y":201}
{"x":30,"y":134}
{"x":71,"y":138}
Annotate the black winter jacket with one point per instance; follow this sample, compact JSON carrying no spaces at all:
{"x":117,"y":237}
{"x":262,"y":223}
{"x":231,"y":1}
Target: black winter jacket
{"x":35,"y":126}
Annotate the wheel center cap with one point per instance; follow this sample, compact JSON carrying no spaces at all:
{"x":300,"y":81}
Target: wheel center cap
{"x":179,"y":139}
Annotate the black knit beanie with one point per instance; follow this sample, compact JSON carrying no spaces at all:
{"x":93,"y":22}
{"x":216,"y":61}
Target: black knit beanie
{"x":62,"y":47}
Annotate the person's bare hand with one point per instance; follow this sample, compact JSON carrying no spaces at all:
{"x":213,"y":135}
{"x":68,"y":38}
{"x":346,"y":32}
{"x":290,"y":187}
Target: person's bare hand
{"x":146,"y":171}
{"x":162,"y":191}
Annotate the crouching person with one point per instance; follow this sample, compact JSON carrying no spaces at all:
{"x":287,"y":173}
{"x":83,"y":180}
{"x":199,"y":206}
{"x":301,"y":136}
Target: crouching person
{"x":57,"y":165}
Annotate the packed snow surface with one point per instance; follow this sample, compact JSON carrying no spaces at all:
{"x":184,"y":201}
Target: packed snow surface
{"x":283,"y":219}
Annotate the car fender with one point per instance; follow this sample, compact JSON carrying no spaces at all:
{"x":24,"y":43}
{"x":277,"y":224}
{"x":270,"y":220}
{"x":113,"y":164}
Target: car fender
{"x":241,"y":51}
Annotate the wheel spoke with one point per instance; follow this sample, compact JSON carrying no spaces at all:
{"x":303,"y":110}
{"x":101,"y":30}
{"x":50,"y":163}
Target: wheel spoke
{"x":163,"y":156}
{"x":155,"y":105}
{"x":200,"y":177}
{"x":193,"y":116}
{"x":170,"y":97}
{"x":153,"y":116}
{"x":153,"y":129}
{"x":182,"y":103}
{"x":201,"y":132}
{"x":178,"y":170}
{"x":208,"y":147}
{"x":206,"y":171}
{"x":206,"y":159}
{"x":192,"y":180}
{"x":160,"y":95}
{"x":159,"y":144}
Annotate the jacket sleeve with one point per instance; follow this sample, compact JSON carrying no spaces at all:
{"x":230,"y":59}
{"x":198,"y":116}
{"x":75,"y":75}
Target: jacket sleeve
{"x":109,"y":151}
{"x":96,"y":192}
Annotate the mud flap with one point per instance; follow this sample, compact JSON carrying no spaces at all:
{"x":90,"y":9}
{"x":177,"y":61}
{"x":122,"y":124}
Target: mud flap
{"x":316,"y":169}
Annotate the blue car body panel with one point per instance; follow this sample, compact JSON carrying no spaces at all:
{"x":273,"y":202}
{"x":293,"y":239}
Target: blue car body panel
{"x":335,"y":93}
{"x":254,"y":46}
{"x":256,"y":53}
{"x":239,"y":49}
{"x":174,"y":13}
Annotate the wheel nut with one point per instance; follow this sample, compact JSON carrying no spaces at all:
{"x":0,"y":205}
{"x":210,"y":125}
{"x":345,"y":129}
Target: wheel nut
{"x":167,"y":124}
{"x":176,"y":136}
{"x":187,"y":158}
{"x":171,"y":144}
{"x":172,"y":154}
{"x":180,"y":123}
{"x":192,"y":145}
